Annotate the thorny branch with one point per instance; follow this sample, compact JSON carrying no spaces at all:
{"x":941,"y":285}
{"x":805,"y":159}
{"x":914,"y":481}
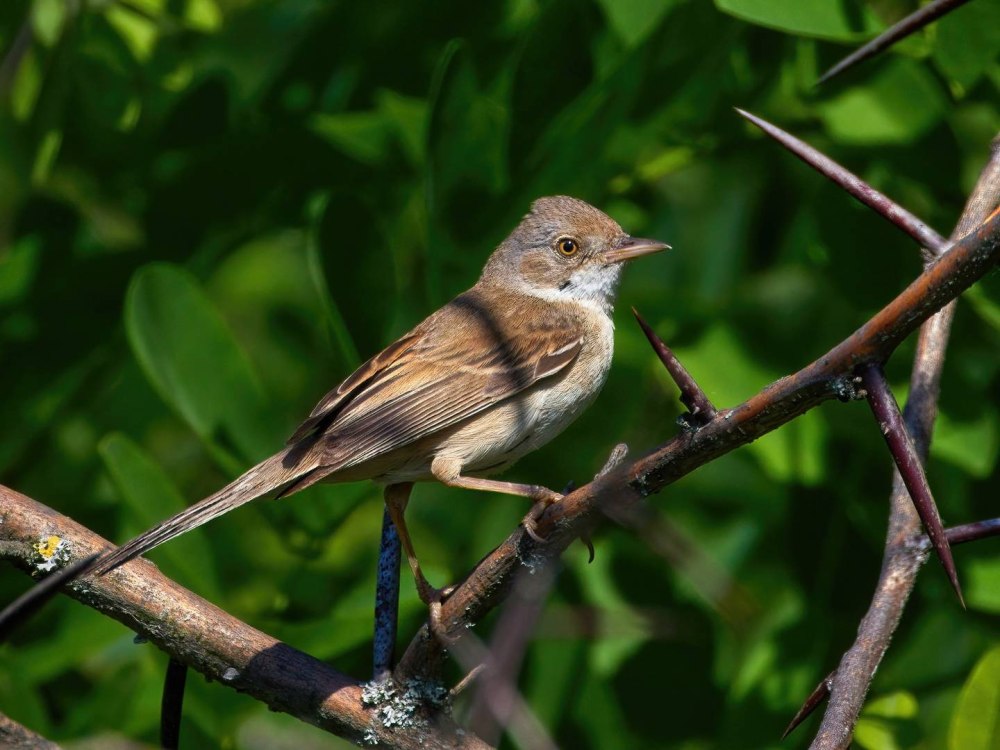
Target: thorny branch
{"x":831,"y":376}
{"x":902,"y":558}
{"x":409,"y":713}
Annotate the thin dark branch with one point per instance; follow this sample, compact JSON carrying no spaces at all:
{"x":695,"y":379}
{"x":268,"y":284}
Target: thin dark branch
{"x":858,"y":188}
{"x":692,"y":396}
{"x":971,"y":532}
{"x":908,"y":463}
{"x":386,"y":600}
{"x":898,"y":31}
{"x":819,"y":694}
{"x":172,"y":704}
{"x":33,"y":599}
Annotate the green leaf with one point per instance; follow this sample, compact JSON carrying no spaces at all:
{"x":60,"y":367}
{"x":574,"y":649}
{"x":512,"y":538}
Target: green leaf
{"x":27,"y":86}
{"x":151,"y":497}
{"x":45,"y":157}
{"x":597,"y":580}
{"x":817,"y":18}
{"x":203,"y":15}
{"x":18,"y":268}
{"x":408,"y":117}
{"x":975,"y":725}
{"x":137,"y":31}
{"x":634,"y":20}
{"x":983,"y":584}
{"x":900,"y":104}
{"x":467,"y":129}
{"x":191,"y":358}
{"x":985,"y":308}
{"x":973,"y":446}
{"x":874,"y":734}
{"x":47,"y":20}
{"x":361,"y":135}
{"x":968,"y":42}
{"x":898,"y":705}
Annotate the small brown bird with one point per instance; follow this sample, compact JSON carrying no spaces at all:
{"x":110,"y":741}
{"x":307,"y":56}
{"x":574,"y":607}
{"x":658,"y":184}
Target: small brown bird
{"x":497,"y":372}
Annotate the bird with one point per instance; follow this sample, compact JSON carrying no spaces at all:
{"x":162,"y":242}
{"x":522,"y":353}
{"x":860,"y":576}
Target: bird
{"x":494,"y":374}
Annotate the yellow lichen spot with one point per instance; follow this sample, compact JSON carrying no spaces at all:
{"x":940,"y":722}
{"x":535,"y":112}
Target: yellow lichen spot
{"x":47,"y":546}
{"x":53,"y":551}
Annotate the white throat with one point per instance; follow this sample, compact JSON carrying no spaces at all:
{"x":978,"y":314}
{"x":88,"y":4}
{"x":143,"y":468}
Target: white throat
{"x":594,"y":287}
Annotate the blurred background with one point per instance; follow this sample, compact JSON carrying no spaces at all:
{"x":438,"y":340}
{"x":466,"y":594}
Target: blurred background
{"x":212,"y":210}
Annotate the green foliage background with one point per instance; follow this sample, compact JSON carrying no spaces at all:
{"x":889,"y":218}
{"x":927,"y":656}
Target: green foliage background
{"x":211,"y":209}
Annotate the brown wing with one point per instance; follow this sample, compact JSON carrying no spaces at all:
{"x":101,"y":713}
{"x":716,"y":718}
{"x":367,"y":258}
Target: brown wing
{"x":326,"y":410}
{"x":456,"y":364}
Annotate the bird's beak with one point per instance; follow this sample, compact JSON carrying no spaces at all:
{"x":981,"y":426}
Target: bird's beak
{"x":632,"y":248}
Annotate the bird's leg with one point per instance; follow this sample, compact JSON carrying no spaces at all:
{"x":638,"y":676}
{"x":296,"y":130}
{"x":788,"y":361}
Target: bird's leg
{"x":396,"y":498}
{"x":448,"y":471}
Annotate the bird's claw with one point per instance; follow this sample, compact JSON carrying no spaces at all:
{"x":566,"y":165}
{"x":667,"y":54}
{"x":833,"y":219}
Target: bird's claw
{"x":530,"y":521}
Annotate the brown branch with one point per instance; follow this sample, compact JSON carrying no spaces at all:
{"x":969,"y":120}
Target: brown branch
{"x":967,"y":532}
{"x":903,"y":556}
{"x":225,"y":649}
{"x":14,"y":736}
{"x":971,"y":532}
{"x":830,"y":376}
{"x":221,"y":647}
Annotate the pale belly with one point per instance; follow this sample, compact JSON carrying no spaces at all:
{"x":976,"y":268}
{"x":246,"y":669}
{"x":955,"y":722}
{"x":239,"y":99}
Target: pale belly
{"x":494,"y":439}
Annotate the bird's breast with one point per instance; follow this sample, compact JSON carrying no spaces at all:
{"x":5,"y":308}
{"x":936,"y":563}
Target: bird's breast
{"x":516,"y":426}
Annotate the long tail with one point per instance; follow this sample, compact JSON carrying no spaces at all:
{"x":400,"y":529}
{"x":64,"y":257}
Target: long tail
{"x":266,"y":476}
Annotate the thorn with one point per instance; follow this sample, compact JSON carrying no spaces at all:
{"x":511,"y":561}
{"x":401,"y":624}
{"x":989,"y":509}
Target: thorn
{"x":34,"y":598}
{"x":693,"y":397}
{"x":904,"y":453}
{"x":819,"y":694}
{"x":466,"y":681}
{"x":898,"y":31}
{"x":858,"y":188}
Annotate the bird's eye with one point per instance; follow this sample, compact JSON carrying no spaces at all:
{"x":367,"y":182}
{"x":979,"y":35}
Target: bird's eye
{"x":567,"y":246}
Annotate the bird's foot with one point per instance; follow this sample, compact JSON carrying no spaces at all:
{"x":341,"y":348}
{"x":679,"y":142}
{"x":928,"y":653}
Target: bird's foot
{"x":543,"y":499}
{"x":435,"y":622}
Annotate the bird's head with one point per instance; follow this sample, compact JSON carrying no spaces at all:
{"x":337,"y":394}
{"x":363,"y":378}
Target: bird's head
{"x":566,"y":249}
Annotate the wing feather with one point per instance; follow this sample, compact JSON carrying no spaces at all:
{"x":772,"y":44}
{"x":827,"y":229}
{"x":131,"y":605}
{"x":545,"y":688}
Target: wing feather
{"x":453,"y":366}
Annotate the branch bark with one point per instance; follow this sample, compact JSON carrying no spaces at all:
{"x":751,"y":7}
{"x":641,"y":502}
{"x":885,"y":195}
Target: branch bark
{"x":14,"y":736}
{"x":407,"y":714}
{"x":904,"y":553}
{"x":221,"y":647}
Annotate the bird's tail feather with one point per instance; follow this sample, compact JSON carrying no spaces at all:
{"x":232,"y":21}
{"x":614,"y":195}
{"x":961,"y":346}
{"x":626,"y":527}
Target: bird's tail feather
{"x":266,"y":476}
